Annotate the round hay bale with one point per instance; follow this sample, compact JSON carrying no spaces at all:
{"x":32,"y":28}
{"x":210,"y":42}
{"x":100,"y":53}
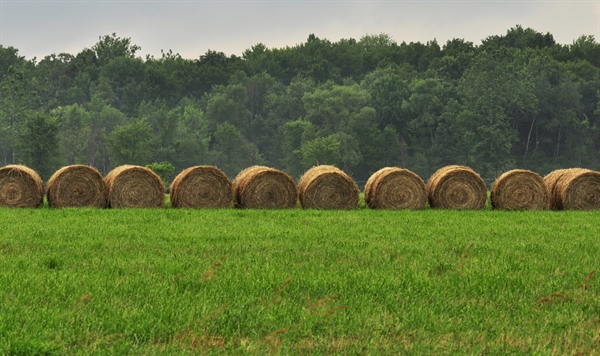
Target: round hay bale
{"x":327,"y":187}
{"x":134,"y":187}
{"x":201,"y":187}
{"x":577,"y":189}
{"x":456,"y":187}
{"x":77,"y":186}
{"x":260,"y":187}
{"x":550,"y":181}
{"x":20,"y":187}
{"x":520,"y":189}
{"x":395,"y":188}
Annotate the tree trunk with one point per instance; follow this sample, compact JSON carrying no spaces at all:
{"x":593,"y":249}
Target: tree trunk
{"x":557,"y":149}
{"x":528,"y":139}
{"x":403,"y":151}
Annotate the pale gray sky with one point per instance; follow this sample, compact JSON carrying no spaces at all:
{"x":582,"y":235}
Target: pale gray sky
{"x":190,"y":28}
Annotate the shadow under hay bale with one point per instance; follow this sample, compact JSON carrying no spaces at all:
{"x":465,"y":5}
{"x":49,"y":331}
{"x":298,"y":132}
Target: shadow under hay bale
{"x":201,"y":187}
{"x":456,"y":187}
{"x":574,"y":189}
{"x":134,"y":187}
{"x":327,"y":187}
{"x":520,"y":189}
{"x":77,"y":186}
{"x":395,"y":188}
{"x":20,"y":187}
{"x":260,"y":187}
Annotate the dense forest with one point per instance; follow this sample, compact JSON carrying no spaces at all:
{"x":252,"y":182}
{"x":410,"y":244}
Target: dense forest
{"x":518,"y":100}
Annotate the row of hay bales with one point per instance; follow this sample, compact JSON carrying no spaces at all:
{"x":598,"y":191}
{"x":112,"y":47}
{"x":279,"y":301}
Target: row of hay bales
{"x":260,"y":187}
{"x":322,"y":187}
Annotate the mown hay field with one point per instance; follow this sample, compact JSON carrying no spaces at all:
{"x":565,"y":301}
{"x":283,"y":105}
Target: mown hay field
{"x":234,"y":281}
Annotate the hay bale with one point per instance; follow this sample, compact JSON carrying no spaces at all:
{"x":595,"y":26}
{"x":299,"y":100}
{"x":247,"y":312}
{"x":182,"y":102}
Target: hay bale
{"x":20,"y":187}
{"x":201,"y":187}
{"x":260,"y":187}
{"x":550,"y":181}
{"x":327,"y":187}
{"x":77,"y":186}
{"x":134,"y":187}
{"x":520,"y":189}
{"x":395,"y":188}
{"x":456,"y":187}
{"x":575,"y":189}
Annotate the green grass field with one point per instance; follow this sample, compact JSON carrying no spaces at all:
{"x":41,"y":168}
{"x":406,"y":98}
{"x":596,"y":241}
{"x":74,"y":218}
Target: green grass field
{"x":153,"y":281}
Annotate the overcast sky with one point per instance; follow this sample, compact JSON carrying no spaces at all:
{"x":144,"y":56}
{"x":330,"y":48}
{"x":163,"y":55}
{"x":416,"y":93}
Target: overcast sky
{"x":190,"y":28}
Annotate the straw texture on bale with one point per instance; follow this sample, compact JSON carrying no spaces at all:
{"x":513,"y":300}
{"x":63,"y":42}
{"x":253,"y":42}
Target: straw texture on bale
{"x":20,"y":187}
{"x":456,"y":187}
{"x":201,"y":187}
{"x":327,"y":187}
{"x":550,"y":181}
{"x":134,"y":187}
{"x":575,"y":189}
{"x":77,"y":186}
{"x":520,"y":189}
{"x":395,"y":188}
{"x":260,"y":187}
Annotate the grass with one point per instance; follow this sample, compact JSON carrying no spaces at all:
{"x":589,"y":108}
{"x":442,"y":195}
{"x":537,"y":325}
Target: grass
{"x":151,"y":281}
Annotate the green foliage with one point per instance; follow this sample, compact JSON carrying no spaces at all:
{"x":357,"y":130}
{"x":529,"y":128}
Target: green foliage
{"x":131,"y":143}
{"x":125,"y":76}
{"x":110,"y":47}
{"x":38,"y":144}
{"x":233,"y":150}
{"x":227,"y":104}
{"x":164,"y":170}
{"x":16,"y":105}
{"x":518,"y":100}
{"x":74,"y":129}
{"x":331,"y":107}
{"x":9,"y":59}
{"x":321,"y":150}
{"x":295,"y":134}
{"x":192,"y":137}
{"x":518,"y":37}
{"x":163,"y":123}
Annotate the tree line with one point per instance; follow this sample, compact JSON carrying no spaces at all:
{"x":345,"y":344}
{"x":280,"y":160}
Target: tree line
{"x":518,"y":100}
